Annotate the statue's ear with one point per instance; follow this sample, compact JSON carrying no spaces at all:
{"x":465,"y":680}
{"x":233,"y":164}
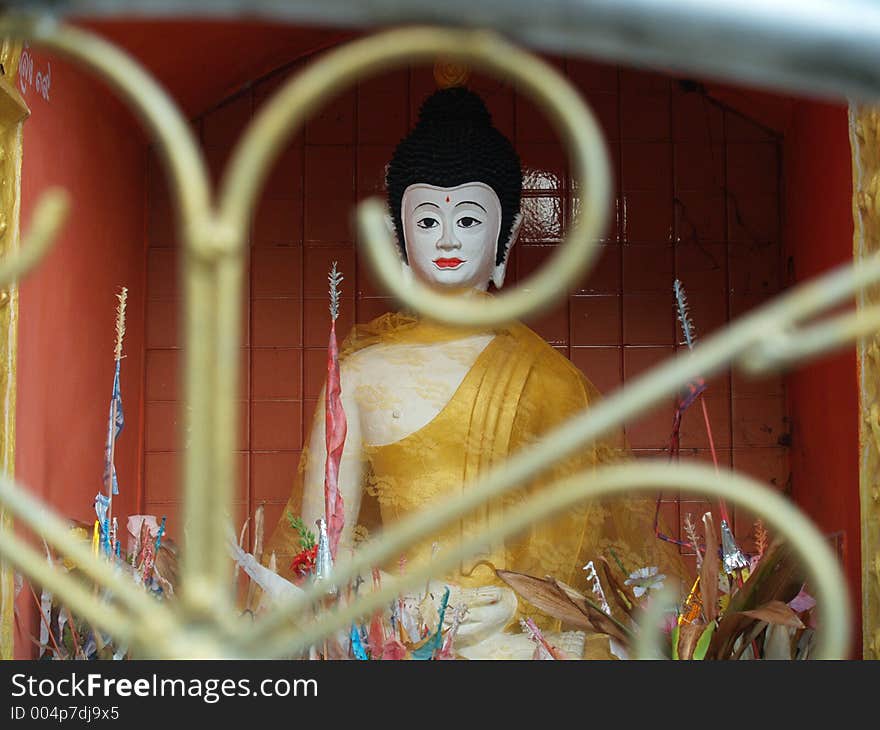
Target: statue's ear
{"x":501,"y":269}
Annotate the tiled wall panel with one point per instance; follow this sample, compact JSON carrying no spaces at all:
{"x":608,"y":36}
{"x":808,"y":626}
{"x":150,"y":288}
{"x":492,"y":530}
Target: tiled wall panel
{"x":697,"y":197}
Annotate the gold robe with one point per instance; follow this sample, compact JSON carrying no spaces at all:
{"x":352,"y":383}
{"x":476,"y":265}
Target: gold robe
{"x":517,"y":390}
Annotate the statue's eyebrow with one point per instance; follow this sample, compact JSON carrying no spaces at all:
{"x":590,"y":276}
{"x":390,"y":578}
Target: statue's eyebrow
{"x":427,"y":203}
{"x":472,"y":202}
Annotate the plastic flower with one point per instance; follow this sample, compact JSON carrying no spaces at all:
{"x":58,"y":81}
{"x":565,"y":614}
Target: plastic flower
{"x":303,"y":564}
{"x":645,"y":579}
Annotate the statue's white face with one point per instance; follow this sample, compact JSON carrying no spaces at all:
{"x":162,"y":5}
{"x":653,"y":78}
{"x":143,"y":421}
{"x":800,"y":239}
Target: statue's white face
{"x":451,"y":235}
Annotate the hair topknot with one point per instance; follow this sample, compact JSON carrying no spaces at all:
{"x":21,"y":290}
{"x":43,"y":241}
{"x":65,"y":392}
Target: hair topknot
{"x":453,"y":143}
{"x":455,"y":105}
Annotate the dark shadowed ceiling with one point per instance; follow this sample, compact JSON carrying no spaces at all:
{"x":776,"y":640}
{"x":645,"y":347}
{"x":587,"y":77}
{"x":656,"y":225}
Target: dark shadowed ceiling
{"x":202,"y":62}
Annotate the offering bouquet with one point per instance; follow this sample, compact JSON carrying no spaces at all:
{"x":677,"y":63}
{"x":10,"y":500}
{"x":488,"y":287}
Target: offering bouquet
{"x":149,"y":558}
{"x":737,"y":606}
{"x":760,"y":612}
{"x":414,"y":629}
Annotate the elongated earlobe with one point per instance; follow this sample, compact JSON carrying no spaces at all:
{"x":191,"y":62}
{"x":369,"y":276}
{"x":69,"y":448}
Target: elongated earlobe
{"x":500,"y":270}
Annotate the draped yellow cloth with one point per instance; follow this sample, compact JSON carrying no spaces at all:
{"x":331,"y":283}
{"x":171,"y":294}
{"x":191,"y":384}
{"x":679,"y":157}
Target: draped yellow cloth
{"x":517,"y":390}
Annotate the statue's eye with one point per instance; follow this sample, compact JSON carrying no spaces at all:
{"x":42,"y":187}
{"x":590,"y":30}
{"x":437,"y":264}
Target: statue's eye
{"x":468,"y":222}
{"x":427,"y":223}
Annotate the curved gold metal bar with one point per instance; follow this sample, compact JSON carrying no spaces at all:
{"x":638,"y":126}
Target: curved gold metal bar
{"x":207,"y":472}
{"x":570,"y":116}
{"x":804,"y":343}
{"x":46,"y":524}
{"x":80,"y":599}
{"x":213,"y":320}
{"x":210,"y":374}
{"x":186,"y":169}
{"x":826,"y":577}
{"x":201,"y":581}
{"x":48,"y":217}
{"x":178,"y":149}
{"x":618,"y":407}
{"x":209,"y":563}
{"x":649,"y":639}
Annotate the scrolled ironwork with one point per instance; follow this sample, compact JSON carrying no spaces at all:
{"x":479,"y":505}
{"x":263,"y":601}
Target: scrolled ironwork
{"x":49,"y":214}
{"x":213,"y":237}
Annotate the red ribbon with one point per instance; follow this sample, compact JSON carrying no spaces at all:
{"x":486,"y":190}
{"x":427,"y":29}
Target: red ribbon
{"x":335,"y":430}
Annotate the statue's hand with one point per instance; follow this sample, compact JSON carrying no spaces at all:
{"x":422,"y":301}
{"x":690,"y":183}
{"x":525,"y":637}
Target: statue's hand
{"x":489,"y":610}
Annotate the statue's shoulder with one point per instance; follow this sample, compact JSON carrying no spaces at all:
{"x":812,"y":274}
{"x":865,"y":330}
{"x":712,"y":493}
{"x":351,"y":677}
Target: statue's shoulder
{"x":545,"y":355}
{"x":550,"y":365}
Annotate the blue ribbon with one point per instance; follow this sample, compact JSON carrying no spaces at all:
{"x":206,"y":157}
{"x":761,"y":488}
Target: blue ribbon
{"x":357,"y":648}
{"x":102,"y":505}
{"x":114,"y":428}
{"x":426,"y":650}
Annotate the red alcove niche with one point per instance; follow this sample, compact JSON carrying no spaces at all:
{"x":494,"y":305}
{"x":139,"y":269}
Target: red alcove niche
{"x":718,"y":186}
{"x":687,"y":170}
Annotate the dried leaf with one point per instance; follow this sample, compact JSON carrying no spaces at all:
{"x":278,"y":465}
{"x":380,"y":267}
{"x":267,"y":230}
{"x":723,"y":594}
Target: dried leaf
{"x":778,"y":643}
{"x":565,"y":603}
{"x":745,"y":645}
{"x":687,"y":640}
{"x":777,"y":577}
{"x":709,"y":571}
{"x":601,"y":621}
{"x":166,"y":563}
{"x":805,"y":644}
{"x":775,"y":612}
{"x":730,"y":627}
{"x":622,"y":593}
{"x":547,"y":597}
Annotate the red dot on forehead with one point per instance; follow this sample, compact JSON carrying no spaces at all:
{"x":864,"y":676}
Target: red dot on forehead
{"x":447,"y":198}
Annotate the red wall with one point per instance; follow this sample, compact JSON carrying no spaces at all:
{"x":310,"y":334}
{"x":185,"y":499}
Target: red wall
{"x":698,"y":191}
{"x":823,"y":396}
{"x":82,"y":140}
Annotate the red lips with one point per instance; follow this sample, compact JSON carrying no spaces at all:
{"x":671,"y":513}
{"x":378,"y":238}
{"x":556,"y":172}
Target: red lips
{"x":448,"y":263}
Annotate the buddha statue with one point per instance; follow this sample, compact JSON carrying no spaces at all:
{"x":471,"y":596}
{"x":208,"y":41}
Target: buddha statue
{"x":432,"y":407}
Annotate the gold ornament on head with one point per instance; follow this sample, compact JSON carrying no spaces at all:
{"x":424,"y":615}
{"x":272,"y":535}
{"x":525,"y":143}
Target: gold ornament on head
{"x":449,"y":73}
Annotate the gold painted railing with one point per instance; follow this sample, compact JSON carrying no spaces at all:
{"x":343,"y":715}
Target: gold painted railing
{"x":213,"y":232}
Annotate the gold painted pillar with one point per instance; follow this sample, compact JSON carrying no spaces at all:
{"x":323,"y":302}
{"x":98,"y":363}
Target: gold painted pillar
{"x":13,"y":112}
{"x":865,"y":141}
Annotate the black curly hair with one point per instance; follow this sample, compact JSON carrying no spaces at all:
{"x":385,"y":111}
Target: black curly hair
{"x":453,"y":143}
